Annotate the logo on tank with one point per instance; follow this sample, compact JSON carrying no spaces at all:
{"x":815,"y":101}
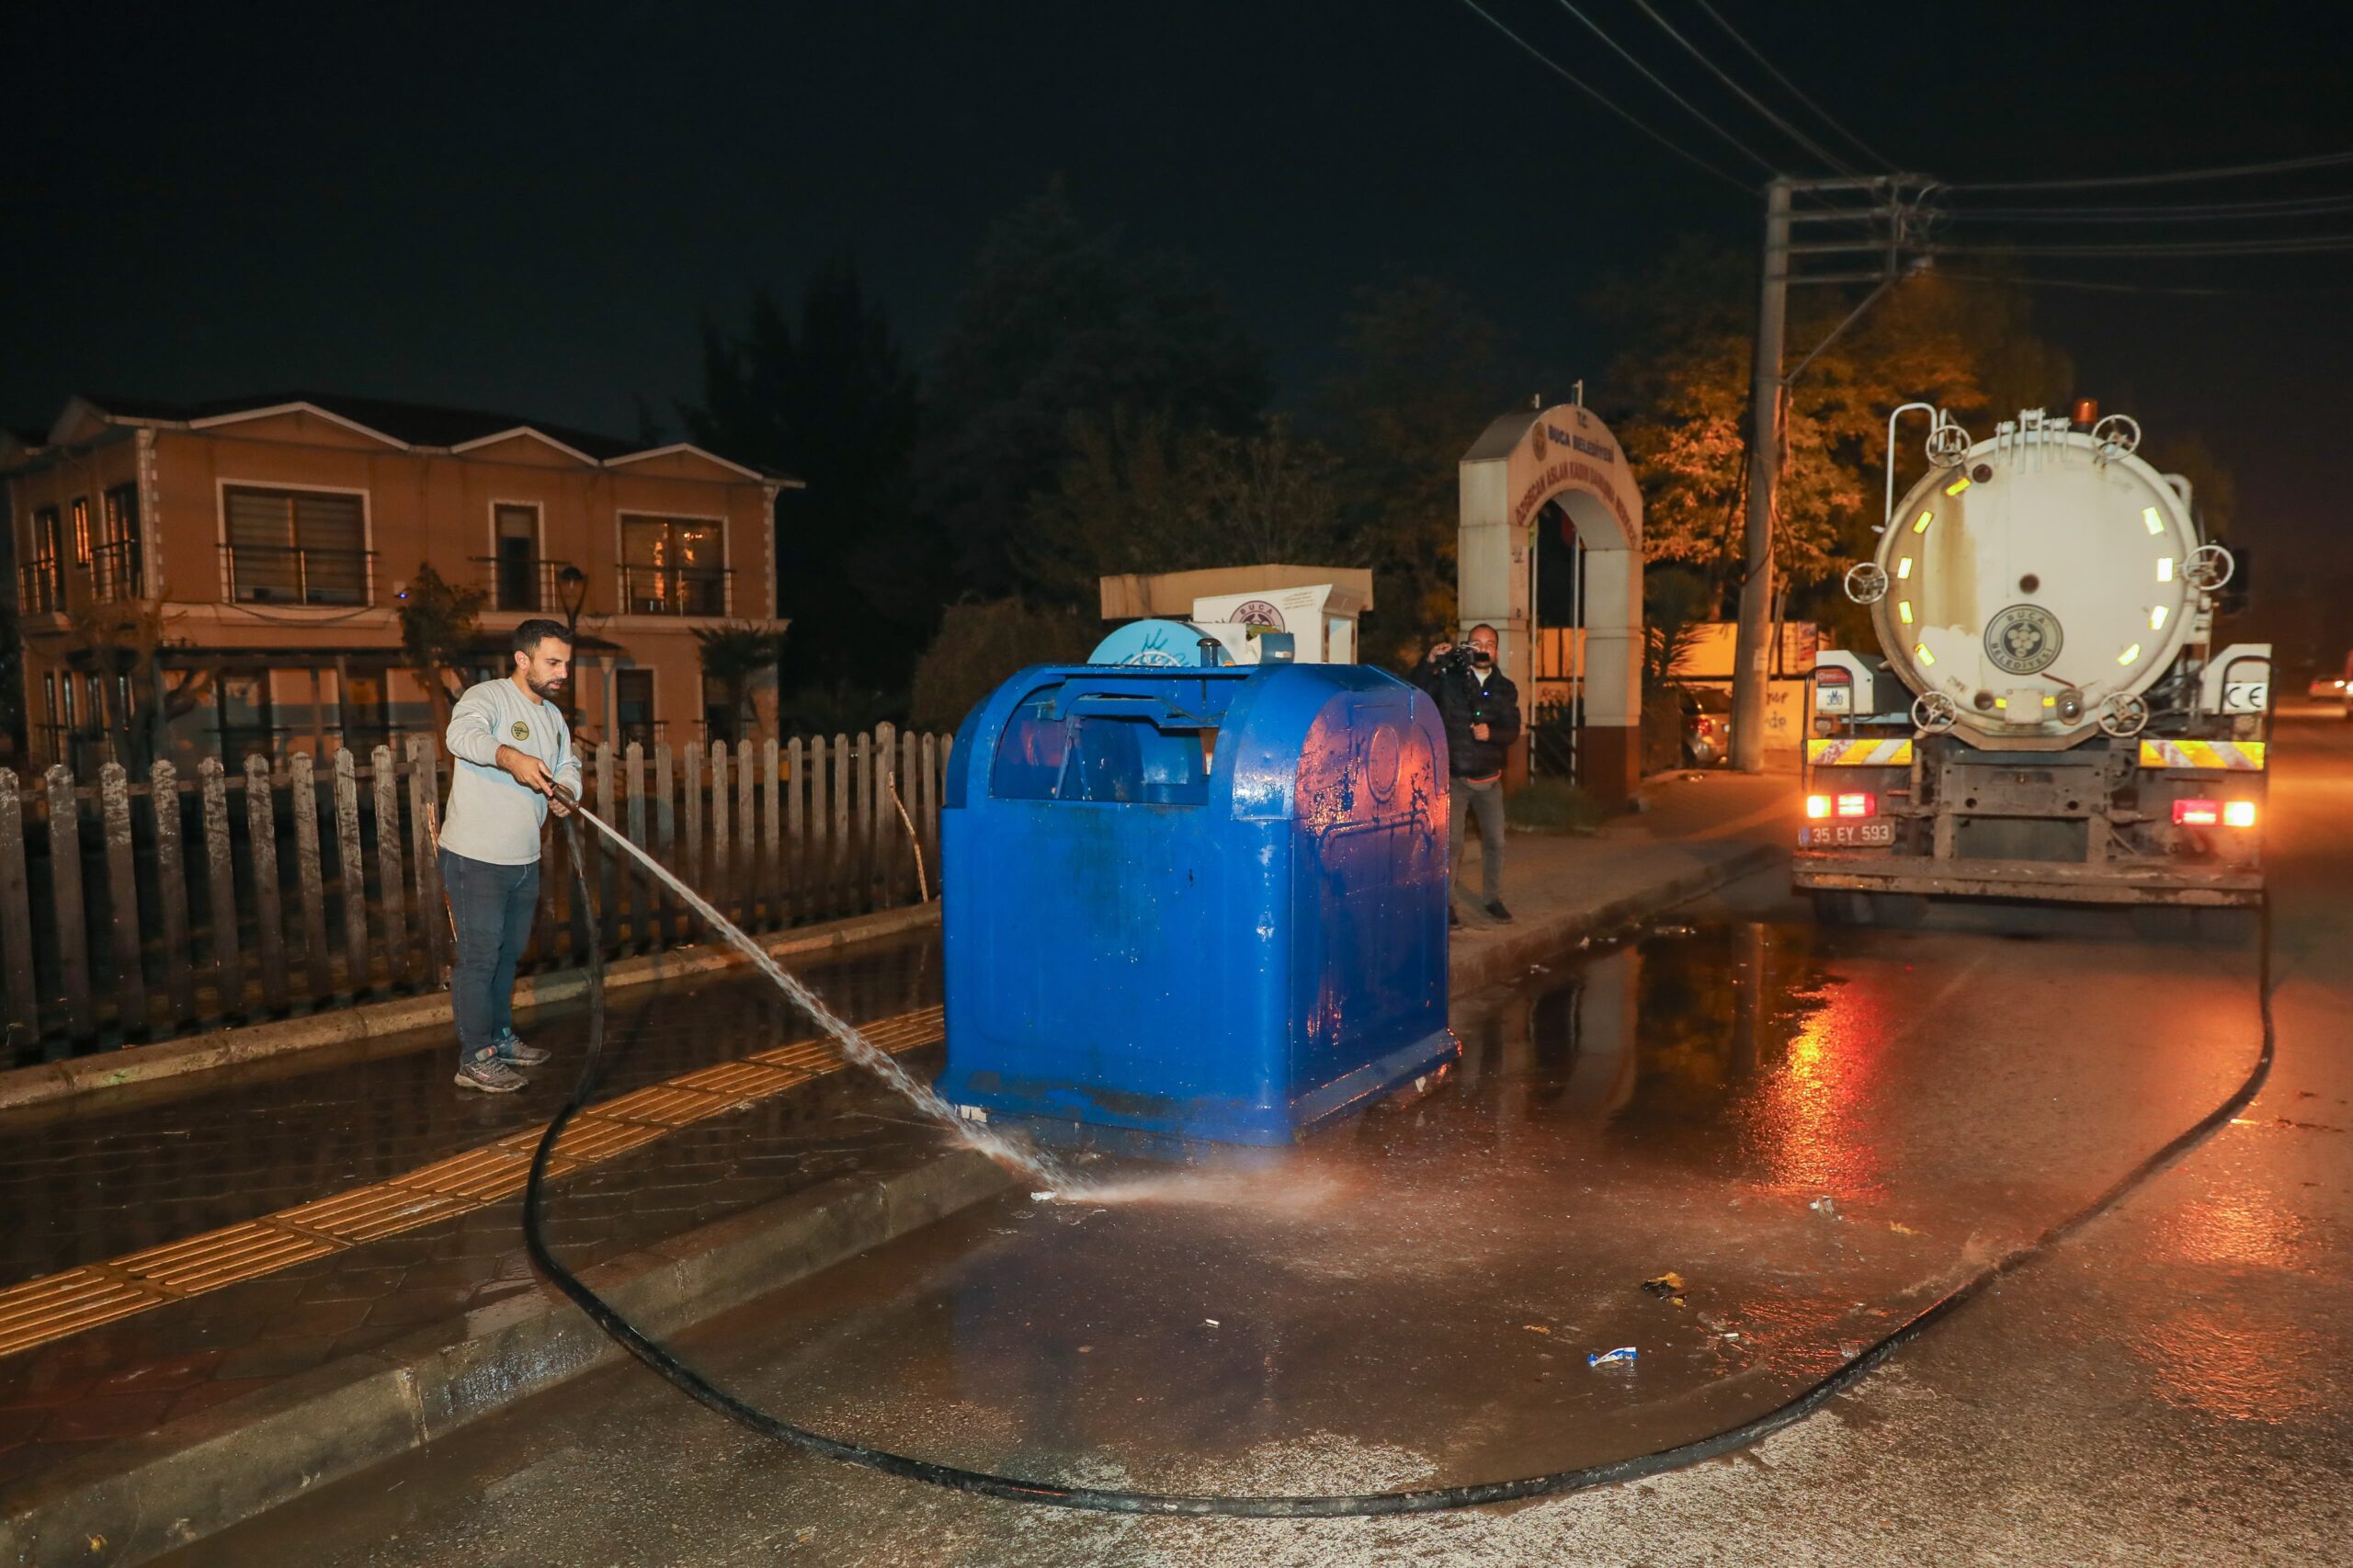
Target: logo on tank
{"x":2023,"y":640}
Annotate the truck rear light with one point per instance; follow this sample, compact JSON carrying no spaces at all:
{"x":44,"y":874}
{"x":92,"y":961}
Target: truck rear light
{"x":2197,"y":814}
{"x":1817,"y":806}
{"x":1861,"y":803}
{"x":2238,"y":813}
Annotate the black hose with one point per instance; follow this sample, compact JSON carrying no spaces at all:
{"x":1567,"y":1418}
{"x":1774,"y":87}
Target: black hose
{"x":1429,"y":1500}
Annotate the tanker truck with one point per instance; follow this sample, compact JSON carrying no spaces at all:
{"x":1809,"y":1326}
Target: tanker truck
{"x":2045,"y":716}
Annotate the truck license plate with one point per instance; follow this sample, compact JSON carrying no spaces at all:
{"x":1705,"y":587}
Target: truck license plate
{"x":1853,"y":835}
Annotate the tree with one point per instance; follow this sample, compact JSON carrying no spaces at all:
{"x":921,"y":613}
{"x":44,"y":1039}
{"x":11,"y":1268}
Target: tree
{"x":737,"y":656}
{"x":124,"y":639}
{"x":1422,"y":377}
{"x":980,"y":644}
{"x":1680,"y":397}
{"x":1058,"y":321}
{"x":1136,"y":495}
{"x":831,"y":401}
{"x":438,"y":629}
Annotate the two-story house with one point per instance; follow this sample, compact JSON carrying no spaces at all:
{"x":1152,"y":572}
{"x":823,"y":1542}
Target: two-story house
{"x":271,"y":541}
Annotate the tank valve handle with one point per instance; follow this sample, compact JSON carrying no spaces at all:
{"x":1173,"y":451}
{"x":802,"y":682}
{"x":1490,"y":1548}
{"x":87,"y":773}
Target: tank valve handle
{"x":2123,"y":715}
{"x":2116,"y":436}
{"x":1867,"y":582}
{"x":1948,"y":442}
{"x":2209,"y":567}
{"x":1933,"y":713}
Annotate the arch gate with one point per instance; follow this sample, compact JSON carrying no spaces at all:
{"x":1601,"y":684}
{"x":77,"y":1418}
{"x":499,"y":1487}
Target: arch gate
{"x":1560,"y":462}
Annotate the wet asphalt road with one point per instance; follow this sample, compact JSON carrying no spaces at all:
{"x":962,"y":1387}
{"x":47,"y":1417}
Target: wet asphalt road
{"x":1411,"y":1300}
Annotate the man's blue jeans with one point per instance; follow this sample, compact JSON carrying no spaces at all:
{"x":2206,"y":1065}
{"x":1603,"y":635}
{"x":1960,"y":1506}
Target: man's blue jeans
{"x":493,"y":907}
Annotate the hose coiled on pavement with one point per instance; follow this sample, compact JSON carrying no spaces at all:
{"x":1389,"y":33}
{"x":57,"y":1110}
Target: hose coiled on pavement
{"x":1805,"y":1403}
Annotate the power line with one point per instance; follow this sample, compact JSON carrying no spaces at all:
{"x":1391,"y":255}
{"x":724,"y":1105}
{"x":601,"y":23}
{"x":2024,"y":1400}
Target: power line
{"x":1595,"y":94}
{"x":2002,"y":280}
{"x":2020,"y":280}
{"x":2186,"y":212}
{"x":2312,"y":244}
{"x":2171,"y":176}
{"x":1792,"y":89}
{"x":1751,"y":99}
{"x":1758,"y":158}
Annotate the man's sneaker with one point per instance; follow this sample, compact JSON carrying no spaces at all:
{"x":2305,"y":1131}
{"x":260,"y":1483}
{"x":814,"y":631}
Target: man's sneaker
{"x":515,"y":1053}
{"x":1502,"y":916}
{"x":490,"y":1075}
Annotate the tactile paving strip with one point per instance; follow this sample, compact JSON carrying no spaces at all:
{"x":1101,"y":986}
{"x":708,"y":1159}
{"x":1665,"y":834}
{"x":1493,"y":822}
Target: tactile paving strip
{"x":56,"y":1305}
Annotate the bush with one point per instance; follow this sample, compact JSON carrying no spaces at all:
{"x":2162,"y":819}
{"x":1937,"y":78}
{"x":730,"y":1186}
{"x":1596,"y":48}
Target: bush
{"x":980,"y":644}
{"x":1553,"y":805}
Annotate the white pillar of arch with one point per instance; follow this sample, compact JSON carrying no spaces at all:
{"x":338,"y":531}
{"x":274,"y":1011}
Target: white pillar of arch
{"x":1522,"y":461}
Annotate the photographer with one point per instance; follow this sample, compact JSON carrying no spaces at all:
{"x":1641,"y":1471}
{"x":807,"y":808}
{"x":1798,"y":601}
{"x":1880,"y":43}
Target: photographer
{"x":1481,"y":709}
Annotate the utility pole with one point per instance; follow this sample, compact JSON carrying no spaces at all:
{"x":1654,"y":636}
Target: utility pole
{"x":1749,"y":653}
{"x":1886,"y":224}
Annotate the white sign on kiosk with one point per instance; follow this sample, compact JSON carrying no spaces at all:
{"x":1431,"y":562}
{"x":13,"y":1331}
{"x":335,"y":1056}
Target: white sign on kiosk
{"x":1318,"y":638}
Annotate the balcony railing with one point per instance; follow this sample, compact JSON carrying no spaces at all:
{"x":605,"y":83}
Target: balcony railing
{"x":296,"y":574}
{"x":114,"y":571}
{"x":646,"y":733}
{"x":535,"y":588}
{"x":41,"y":588}
{"x":674,"y":590}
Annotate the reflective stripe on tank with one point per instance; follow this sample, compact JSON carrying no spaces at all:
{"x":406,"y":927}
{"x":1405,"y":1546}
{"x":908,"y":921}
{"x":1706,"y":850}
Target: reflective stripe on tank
{"x":2237,"y":756}
{"x":1833,"y":753}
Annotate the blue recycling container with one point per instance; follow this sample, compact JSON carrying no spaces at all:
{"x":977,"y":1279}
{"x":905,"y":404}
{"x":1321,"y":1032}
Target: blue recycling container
{"x":1199,"y":903}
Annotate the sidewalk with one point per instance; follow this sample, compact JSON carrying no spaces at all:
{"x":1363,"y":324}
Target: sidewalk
{"x":237,"y":1250}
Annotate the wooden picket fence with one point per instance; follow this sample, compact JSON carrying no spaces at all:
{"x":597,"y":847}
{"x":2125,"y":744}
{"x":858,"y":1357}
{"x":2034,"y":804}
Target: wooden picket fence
{"x":134,"y":911}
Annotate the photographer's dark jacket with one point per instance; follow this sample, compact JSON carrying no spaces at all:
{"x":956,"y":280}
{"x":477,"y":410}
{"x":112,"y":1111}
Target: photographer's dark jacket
{"x":1463,"y":702}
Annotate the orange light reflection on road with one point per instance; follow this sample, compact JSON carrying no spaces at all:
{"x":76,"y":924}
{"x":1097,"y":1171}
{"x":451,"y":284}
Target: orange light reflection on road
{"x":1803,"y":1122}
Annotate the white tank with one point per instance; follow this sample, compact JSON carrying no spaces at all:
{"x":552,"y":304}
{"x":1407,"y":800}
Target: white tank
{"x":2040,"y":581}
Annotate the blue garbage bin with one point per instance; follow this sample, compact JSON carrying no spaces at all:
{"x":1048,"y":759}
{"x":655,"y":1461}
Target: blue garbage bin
{"x":1199,"y":905}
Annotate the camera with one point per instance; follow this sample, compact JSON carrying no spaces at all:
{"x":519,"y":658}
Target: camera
{"x":1456,"y":660}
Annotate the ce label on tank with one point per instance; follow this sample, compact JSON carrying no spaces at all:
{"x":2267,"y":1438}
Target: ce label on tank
{"x":2023,"y":640}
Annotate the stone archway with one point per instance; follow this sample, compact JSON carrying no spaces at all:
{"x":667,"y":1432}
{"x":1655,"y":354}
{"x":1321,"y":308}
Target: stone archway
{"x":1522,"y":461}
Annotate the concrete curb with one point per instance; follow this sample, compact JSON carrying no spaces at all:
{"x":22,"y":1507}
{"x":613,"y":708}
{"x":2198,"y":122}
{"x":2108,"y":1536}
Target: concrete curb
{"x":1508,"y":958}
{"x":140,"y":1498}
{"x":142,"y":1064}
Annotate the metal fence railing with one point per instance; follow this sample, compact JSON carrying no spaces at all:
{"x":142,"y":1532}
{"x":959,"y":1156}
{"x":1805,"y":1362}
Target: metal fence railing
{"x":134,"y":911}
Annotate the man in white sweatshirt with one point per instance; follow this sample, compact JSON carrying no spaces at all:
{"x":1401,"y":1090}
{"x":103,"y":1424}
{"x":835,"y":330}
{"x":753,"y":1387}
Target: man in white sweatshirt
{"x":514,"y":750}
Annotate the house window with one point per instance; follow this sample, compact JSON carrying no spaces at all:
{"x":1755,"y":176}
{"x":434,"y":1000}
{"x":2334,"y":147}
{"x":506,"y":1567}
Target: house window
{"x":366,"y":712}
{"x":242,"y":710}
{"x":41,"y":582}
{"x":114,"y":568}
{"x":295,"y":546}
{"x":81,"y":530}
{"x":517,"y":565}
{"x":633,"y":708}
{"x":672,"y":566}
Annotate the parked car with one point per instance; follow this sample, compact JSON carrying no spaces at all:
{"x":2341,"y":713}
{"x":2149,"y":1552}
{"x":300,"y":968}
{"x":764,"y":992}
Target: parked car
{"x":1707,"y":727}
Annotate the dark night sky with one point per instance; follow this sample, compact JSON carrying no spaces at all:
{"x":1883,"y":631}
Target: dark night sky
{"x":530,"y":210}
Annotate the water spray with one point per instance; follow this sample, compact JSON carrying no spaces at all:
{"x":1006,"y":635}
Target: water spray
{"x":854,"y":1045}
{"x":1015,"y":1489}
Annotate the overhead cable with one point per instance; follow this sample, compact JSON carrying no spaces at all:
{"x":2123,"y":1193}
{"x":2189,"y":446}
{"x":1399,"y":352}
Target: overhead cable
{"x":1793,"y":90}
{"x":2314,"y":243}
{"x":1596,"y":95}
{"x":1751,"y":99}
{"x":2170,"y":177}
{"x":1652,"y":77}
{"x":2105,"y":286}
{"x":2183,"y":212}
